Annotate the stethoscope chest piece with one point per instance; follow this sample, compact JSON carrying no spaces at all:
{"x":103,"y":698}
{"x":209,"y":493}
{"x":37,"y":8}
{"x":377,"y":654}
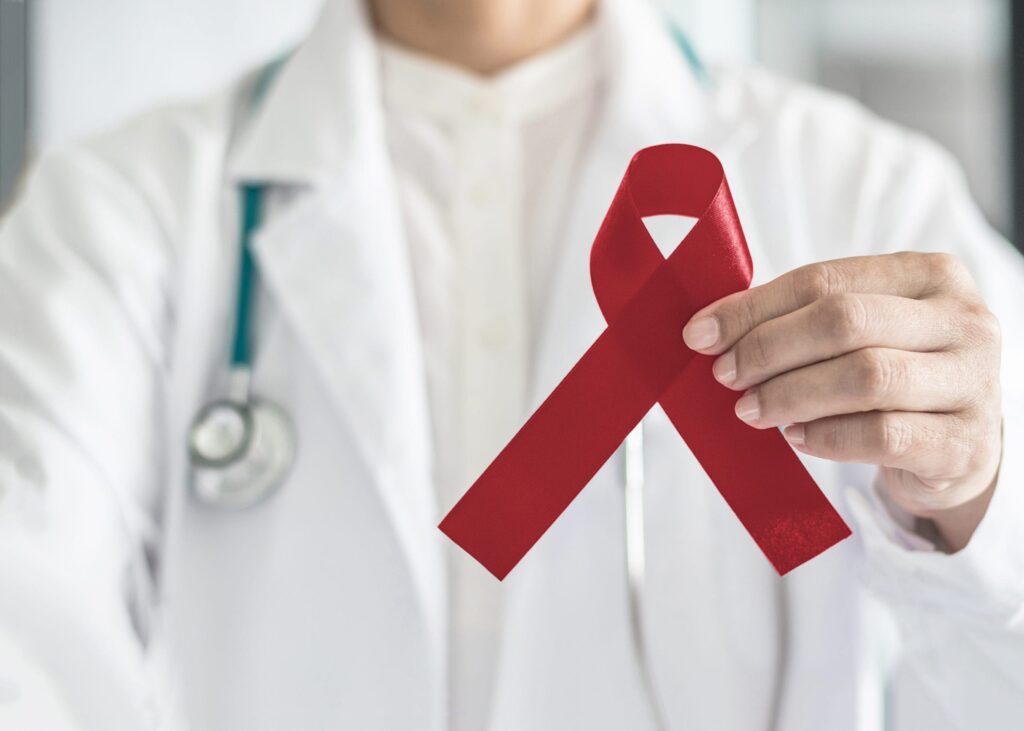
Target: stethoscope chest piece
{"x":240,"y":452}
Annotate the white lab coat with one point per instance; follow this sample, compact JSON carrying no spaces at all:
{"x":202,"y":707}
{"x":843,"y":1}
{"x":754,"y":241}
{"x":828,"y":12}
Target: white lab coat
{"x":125,"y":605}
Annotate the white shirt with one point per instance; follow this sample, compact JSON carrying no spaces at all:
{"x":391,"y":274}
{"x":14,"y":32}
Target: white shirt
{"x":484,"y":167}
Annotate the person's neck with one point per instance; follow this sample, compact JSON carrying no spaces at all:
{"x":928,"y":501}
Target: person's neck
{"x":484,"y":36}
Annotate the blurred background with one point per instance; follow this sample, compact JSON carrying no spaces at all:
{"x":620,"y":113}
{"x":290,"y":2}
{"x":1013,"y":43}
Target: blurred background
{"x":940,"y":66}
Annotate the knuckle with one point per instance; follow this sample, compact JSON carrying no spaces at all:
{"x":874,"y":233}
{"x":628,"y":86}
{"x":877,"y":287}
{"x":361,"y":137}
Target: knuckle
{"x":749,"y":315}
{"x":894,"y":436}
{"x":844,"y":318}
{"x":981,"y":324}
{"x":976,"y":442}
{"x":814,"y":281}
{"x":874,"y":373}
{"x":737,"y":318}
{"x":775,"y":399}
{"x":966,"y":382}
{"x":831,"y":436}
{"x":754,"y":353}
{"x":945,"y":269}
{"x":991,"y":330}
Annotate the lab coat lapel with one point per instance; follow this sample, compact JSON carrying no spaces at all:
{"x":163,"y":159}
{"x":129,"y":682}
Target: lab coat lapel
{"x":334,"y":261}
{"x":337,"y":268}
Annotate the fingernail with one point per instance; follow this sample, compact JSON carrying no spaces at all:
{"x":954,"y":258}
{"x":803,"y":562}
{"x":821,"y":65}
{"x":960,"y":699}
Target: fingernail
{"x":794,"y":434}
{"x":724,"y":368}
{"x":747,"y":408}
{"x":701,"y":333}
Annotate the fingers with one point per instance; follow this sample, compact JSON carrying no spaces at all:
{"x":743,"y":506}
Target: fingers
{"x":718,"y":326}
{"x":865,"y":380}
{"x":937,"y":447}
{"x":830,"y":327}
{"x":890,"y":360}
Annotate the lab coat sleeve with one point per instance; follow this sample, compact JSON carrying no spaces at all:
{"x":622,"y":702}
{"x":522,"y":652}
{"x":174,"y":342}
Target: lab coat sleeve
{"x":962,"y":614}
{"x":83,"y":317}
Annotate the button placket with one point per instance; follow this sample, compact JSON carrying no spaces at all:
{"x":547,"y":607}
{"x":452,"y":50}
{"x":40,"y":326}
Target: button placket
{"x":490,"y":347}
{"x":493,"y":308}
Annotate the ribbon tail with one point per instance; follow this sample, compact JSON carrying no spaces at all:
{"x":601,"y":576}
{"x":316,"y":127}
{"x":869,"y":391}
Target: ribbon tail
{"x":756,"y":471}
{"x":551,"y":459}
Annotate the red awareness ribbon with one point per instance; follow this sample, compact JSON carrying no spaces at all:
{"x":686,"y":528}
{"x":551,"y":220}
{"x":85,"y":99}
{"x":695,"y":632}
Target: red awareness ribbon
{"x":639,"y":360}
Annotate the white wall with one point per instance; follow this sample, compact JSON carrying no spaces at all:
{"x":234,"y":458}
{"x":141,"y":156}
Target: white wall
{"x":97,"y":61}
{"x":938,"y":66}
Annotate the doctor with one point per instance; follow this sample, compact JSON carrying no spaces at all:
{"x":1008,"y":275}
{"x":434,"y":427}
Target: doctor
{"x":432,"y":177}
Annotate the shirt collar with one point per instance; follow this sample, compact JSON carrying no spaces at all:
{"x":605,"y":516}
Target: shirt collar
{"x":419,"y":84}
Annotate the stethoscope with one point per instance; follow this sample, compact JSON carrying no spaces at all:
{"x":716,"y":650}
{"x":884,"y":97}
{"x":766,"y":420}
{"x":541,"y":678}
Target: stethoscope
{"x":241,"y":447}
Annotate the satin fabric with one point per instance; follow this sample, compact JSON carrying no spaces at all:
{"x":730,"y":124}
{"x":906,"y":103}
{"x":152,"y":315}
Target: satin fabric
{"x":640,"y":360}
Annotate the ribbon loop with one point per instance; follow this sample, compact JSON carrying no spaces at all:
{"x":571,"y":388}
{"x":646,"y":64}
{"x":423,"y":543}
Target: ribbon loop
{"x":640,"y":360}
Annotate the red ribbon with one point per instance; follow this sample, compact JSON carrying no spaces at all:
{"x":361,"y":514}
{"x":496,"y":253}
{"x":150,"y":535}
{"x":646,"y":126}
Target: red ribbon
{"x":638,"y":360}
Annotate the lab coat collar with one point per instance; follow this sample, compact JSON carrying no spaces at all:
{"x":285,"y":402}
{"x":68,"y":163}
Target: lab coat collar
{"x":321,"y":110}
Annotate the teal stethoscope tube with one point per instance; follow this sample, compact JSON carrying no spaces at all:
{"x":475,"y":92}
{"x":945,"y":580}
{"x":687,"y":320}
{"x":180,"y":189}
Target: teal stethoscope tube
{"x":251,"y":198}
{"x":686,"y":48}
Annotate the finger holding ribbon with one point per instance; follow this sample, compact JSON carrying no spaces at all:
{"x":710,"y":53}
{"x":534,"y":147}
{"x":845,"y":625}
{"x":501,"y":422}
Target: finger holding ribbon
{"x":890,"y":360}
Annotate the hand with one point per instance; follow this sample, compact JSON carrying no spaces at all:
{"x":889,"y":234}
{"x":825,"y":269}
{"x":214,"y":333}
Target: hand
{"x":889,"y":360}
